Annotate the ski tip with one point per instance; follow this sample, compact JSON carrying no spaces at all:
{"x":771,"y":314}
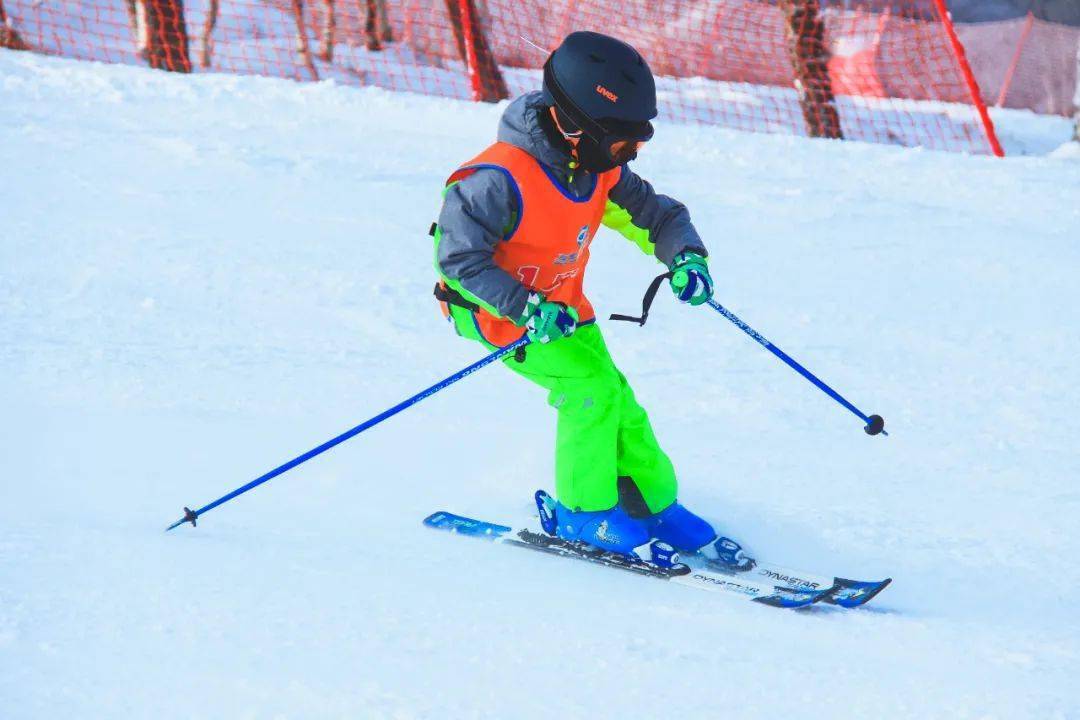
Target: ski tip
{"x":881,"y":586}
{"x":853,"y":593}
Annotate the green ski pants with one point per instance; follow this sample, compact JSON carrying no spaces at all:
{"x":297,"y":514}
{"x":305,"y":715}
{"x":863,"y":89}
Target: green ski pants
{"x":603,"y":433}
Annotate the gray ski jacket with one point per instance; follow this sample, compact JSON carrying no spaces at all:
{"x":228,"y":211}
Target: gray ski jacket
{"x":477,"y":209}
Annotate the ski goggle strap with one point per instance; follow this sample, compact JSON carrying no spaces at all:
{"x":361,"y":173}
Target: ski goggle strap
{"x":589,"y":126}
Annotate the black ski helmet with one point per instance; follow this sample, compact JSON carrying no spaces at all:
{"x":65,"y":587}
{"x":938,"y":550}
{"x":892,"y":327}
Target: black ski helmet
{"x":604,"y":88}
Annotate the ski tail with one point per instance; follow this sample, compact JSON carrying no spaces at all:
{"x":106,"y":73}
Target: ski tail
{"x":462,"y":525}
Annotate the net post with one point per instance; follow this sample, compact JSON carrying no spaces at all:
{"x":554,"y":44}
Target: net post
{"x":1006,"y":83}
{"x":470,"y":49}
{"x":969,"y":78}
{"x":485,"y":80}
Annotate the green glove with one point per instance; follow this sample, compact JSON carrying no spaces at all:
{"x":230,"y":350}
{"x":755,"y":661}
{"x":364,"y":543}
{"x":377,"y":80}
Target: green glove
{"x":546,"y":321}
{"x":691,"y":281}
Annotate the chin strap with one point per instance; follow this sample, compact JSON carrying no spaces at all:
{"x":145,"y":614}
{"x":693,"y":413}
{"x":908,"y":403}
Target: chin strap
{"x":647,"y":301}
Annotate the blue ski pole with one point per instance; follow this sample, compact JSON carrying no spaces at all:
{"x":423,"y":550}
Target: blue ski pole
{"x":192,"y":515}
{"x":875,"y":424}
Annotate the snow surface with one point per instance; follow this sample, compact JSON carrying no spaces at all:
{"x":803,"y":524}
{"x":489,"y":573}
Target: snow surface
{"x":202,"y":277}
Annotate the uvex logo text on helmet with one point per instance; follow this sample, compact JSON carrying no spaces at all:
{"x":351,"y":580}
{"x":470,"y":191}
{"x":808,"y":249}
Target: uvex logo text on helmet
{"x":607,"y":93}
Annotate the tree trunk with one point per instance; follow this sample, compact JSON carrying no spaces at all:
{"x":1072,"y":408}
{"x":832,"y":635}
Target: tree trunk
{"x":8,"y":37}
{"x":209,"y":25}
{"x":377,"y":28}
{"x":474,"y":50}
{"x":371,"y":26}
{"x":167,"y":47}
{"x":386,"y":33}
{"x":137,"y":21}
{"x":809,"y":53}
{"x":329,"y":27}
{"x":1076,"y":98}
{"x":302,"y":48}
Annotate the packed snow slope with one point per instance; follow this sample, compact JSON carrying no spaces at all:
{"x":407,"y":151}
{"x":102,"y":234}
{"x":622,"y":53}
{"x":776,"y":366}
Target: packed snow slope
{"x":202,"y":277}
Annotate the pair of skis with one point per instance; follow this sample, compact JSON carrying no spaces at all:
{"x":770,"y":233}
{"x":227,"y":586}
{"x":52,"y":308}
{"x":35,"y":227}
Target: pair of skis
{"x":763,"y":583}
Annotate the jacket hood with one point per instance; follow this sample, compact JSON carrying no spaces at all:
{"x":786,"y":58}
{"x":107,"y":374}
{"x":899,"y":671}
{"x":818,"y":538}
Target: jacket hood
{"x":521,"y":128}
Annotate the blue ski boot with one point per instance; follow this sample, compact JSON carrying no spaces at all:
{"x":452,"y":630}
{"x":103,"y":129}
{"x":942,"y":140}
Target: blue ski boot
{"x":686,"y":532}
{"x":611,"y":530}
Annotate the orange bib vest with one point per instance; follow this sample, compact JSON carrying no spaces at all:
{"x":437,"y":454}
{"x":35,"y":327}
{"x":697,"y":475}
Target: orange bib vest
{"x":548,"y":247}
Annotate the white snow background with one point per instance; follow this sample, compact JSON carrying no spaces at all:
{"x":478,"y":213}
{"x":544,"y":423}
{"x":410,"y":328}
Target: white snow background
{"x":202,"y":277}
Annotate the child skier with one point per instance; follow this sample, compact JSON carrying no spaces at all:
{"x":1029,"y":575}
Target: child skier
{"x":511,"y":246}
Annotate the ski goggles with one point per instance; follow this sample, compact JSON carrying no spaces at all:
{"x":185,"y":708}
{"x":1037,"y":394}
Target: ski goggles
{"x":620,"y":141}
{"x":623,"y":151}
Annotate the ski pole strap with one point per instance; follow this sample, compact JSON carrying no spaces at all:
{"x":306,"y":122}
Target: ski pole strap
{"x":453,"y":297}
{"x":647,"y":301}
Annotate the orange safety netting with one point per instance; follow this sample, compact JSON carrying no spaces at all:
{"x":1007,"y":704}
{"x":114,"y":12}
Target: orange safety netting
{"x":875,"y":70}
{"x":1025,"y":63}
